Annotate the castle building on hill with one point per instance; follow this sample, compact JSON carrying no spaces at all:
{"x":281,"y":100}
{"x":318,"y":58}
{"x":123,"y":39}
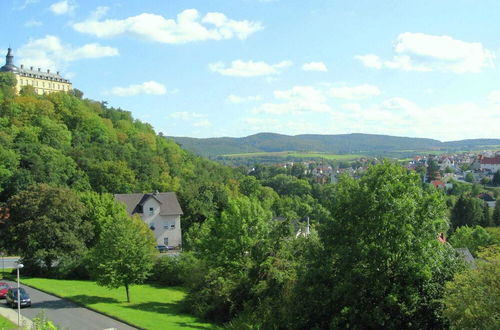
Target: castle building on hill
{"x":43,"y":82}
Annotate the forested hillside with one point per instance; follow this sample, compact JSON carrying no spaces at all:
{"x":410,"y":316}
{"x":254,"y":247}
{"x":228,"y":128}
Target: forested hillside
{"x":366,"y":144}
{"x":65,"y":140}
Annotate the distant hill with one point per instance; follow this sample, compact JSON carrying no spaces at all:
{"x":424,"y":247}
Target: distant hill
{"x":366,"y":144}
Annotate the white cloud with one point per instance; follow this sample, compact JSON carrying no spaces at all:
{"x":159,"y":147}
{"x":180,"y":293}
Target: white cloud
{"x":148,"y":87}
{"x":98,"y":13}
{"x":424,"y":52}
{"x":33,"y":23}
{"x":314,"y":66}
{"x":370,"y":60}
{"x":189,"y":26}
{"x":242,"y":99}
{"x":299,"y":99}
{"x":50,"y":53}
{"x":494,"y":97}
{"x":62,"y":7}
{"x":202,"y":123}
{"x":184,"y":115}
{"x":356,"y":92}
{"x":241,"y":68}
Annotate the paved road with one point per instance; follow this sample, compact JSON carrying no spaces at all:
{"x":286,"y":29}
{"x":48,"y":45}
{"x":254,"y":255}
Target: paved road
{"x":67,"y":314}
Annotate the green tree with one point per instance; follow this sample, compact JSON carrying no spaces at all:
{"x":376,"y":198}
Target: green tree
{"x":468,"y":211}
{"x":495,"y":219}
{"x":7,"y":85}
{"x":496,"y":178}
{"x":380,"y":265}
{"x":229,"y":246}
{"x":471,"y":300}
{"x":432,"y":170}
{"x":472,"y":238}
{"x":124,"y":253}
{"x":469,"y":177}
{"x":46,"y":224}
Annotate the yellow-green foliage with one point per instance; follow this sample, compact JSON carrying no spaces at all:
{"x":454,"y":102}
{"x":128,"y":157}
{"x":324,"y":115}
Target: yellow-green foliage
{"x":472,"y":299}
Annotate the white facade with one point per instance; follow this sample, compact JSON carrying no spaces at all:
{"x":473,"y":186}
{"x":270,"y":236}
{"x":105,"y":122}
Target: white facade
{"x":167,"y":228}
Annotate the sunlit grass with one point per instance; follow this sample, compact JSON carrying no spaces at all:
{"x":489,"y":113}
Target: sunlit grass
{"x":5,"y":324}
{"x":151,"y":306}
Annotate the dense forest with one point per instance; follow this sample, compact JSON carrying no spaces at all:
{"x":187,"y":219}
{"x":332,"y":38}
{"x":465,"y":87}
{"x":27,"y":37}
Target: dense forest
{"x":371,"y":257}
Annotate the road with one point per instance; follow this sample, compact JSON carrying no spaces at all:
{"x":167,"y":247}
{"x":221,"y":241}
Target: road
{"x":66,"y":314}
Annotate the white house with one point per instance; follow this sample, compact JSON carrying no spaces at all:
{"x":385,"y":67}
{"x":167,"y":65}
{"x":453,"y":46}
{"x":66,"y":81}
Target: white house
{"x":160,"y":211}
{"x":490,"y":164}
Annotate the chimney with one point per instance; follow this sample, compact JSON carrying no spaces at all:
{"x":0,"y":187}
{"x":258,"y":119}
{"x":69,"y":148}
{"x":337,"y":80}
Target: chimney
{"x":22,"y":66}
{"x":38,"y":69}
{"x":57,"y":72}
{"x":48,"y":71}
{"x":31,"y":68}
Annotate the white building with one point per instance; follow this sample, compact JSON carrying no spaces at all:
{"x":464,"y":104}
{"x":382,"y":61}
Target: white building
{"x":160,"y":211}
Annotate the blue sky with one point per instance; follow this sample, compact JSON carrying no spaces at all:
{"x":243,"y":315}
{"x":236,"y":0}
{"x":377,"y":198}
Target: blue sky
{"x":422,"y":68}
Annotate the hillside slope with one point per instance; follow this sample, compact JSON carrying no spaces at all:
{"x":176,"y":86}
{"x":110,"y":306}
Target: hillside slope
{"x":355,"y":143}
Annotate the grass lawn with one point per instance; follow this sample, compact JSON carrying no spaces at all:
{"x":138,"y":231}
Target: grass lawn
{"x":6,"y":324}
{"x":151,"y":307}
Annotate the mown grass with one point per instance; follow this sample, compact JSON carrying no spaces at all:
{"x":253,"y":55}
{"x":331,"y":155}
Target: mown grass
{"x":151,"y":306}
{"x":5,"y":324}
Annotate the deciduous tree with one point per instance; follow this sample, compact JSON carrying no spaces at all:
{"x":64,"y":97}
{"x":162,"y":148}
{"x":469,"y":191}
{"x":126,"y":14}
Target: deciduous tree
{"x":45,"y":224}
{"x":124,"y":253}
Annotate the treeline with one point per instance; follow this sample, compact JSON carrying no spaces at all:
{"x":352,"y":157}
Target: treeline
{"x":370,"y":258}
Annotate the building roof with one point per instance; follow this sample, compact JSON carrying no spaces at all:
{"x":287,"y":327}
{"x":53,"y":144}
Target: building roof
{"x":467,"y":257}
{"x":9,"y":63}
{"x":169,"y":205}
{"x":31,"y":72}
{"x":492,"y":160}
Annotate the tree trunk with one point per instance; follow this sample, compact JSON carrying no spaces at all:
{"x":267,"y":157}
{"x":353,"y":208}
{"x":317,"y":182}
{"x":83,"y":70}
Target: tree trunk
{"x":128,"y":296}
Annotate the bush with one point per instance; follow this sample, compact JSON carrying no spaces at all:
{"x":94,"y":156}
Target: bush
{"x":176,"y":270}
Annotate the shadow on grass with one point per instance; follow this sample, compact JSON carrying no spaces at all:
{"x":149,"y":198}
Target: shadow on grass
{"x":89,"y":300}
{"x":157,"y":307}
{"x":172,"y":309}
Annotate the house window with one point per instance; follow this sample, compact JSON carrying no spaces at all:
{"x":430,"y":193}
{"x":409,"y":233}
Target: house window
{"x":172,"y":226}
{"x":151,"y":211}
{"x":165,"y":241}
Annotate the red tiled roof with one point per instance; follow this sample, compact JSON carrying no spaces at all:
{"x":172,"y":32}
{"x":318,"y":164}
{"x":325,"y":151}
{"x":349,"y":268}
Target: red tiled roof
{"x":437,"y":183}
{"x":493,"y":160}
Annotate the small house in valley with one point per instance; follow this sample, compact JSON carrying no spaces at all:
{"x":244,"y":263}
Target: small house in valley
{"x":160,"y":211}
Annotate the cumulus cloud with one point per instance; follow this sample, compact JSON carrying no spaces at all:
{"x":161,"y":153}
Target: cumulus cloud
{"x":314,"y":66}
{"x":62,"y":7}
{"x":241,"y":68}
{"x":370,"y":60}
{"x":242,"y":99}
{"x":424,"y":52}
{"x":356,"y":92}
{"x":299,"y":99}
{"x":148,"y":87}
{"x":49,"y":52}
{"x":188,"y":26}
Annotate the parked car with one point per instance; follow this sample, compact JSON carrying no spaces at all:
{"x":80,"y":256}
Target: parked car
{"x":11,"y":297}
{"x":4,"y":287}
{"x":162,"y":248}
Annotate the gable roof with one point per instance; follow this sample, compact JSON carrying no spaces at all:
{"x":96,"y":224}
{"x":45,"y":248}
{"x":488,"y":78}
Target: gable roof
{"x":492,"y":160}
{"x":169,"y":205}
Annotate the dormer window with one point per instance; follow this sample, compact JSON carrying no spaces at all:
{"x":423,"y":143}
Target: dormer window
{"x":151,"y":211}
